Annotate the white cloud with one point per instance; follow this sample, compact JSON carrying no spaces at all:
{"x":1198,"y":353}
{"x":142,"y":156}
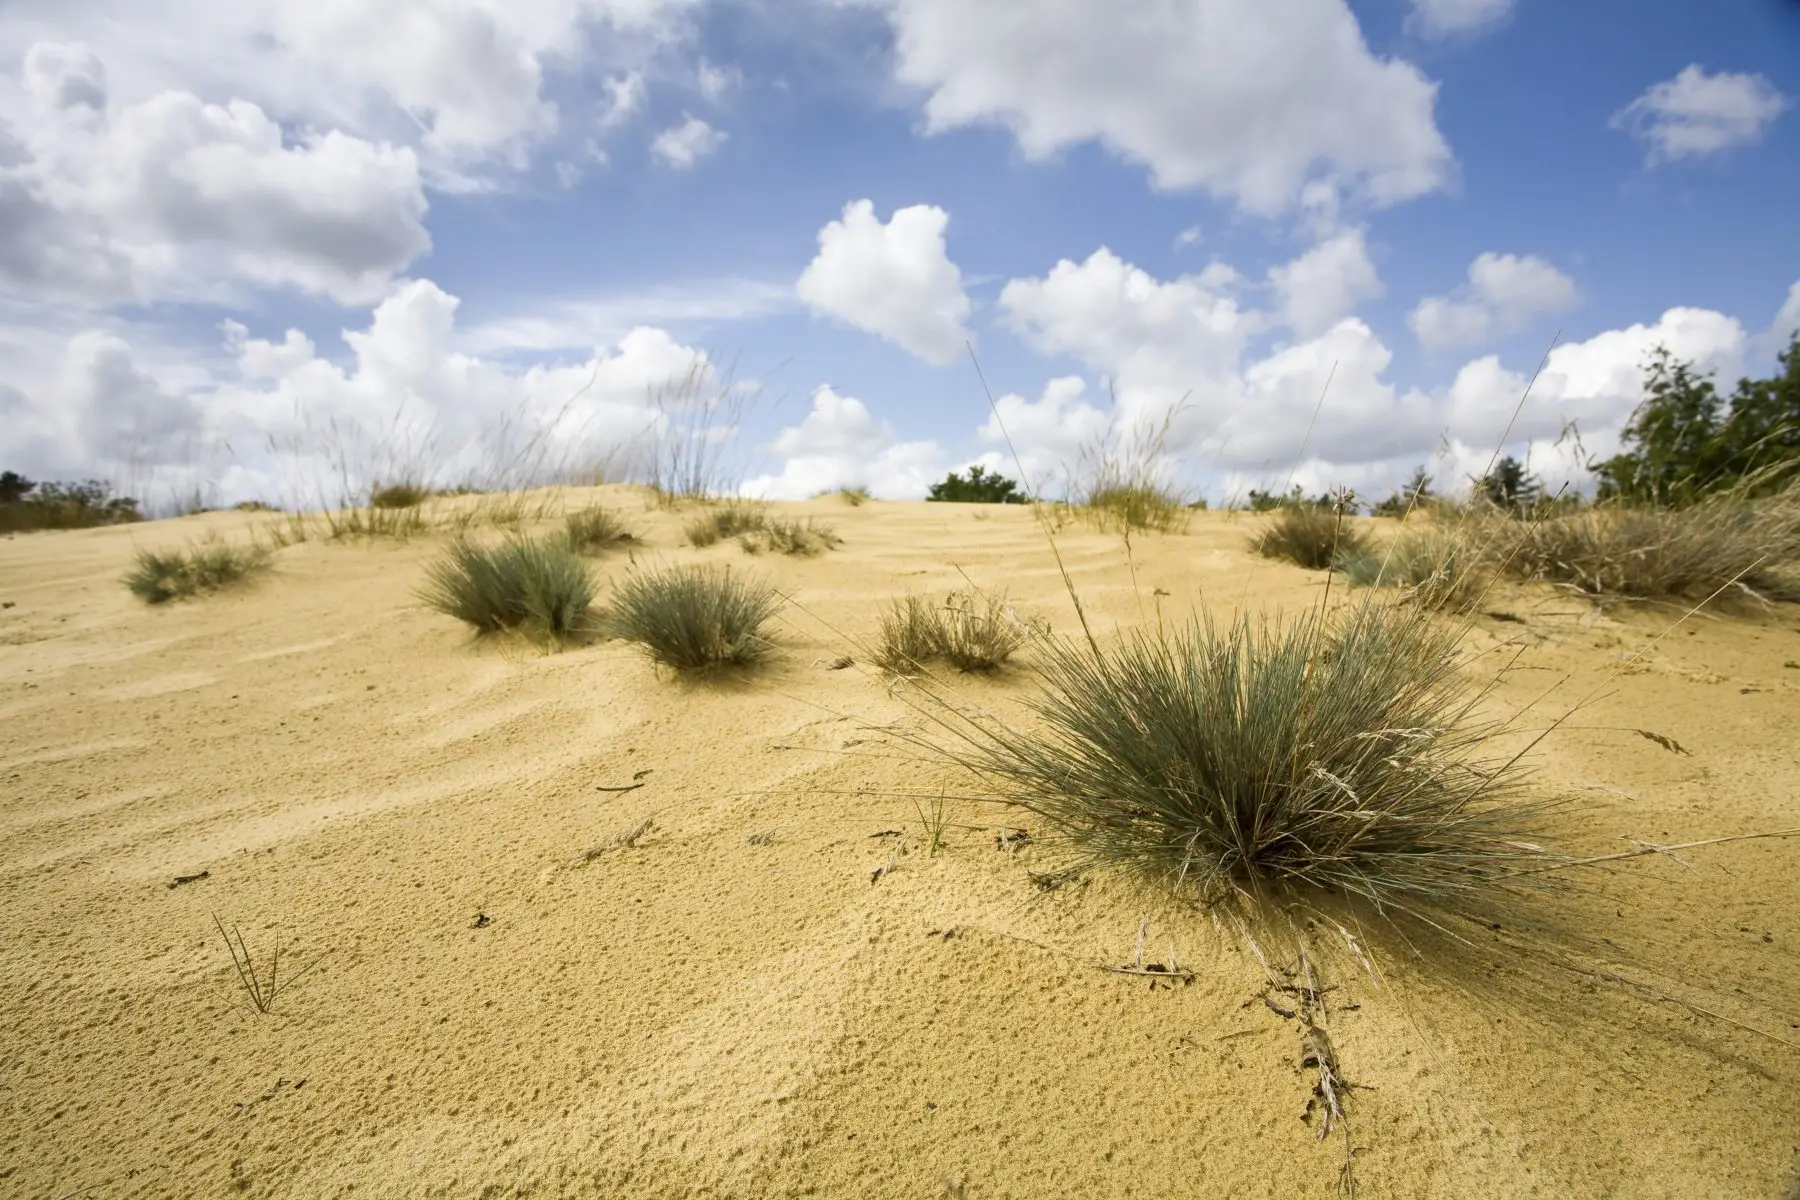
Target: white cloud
{"x":463,"y":82}
{"x":95,"y":402}
{"x":683,"y":145}
{"x":1696,"y":114}
{"x":624,"y":97}
{"x":894,"y":280}
{"x":1157,"y":341}
{"x":714,"y":81}
{"x":1786,"y":324}
{"x":1249,"y":99}
{"x":1504,"y":292}
{"x":1188,"y":237}
{"x":840,"y":445}
{"x":547,"y":323}
{"x":173,"y":198}
{"x":1456,"y":18}
{"x":1049,"y":434}
{"x":1326,"y":283}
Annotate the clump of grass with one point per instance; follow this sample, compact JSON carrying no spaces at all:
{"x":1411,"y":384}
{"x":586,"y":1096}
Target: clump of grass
{"x":1676,"y":554}
{"x":1439,"y":567}
{"x":971,"y":631}
{"x":695,"y":617}
{"x":1310,"y":536}
{"x":594,"y":530}
{"x":159,"y":576}
{"x":398,"y":495}
{"x":261,"y":990}
{"x":727,"y":520}
{"x":803,"y":538}
{"x":855,"y":497}
{"x":535,"y":582}
{"x":1128,"y":507}
{"x":371,"y":522}
{"x":1268,"y":763}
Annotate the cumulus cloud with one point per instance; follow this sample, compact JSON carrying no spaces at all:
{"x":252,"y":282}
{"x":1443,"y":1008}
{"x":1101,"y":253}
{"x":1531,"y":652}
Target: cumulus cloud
{"x":1049,"y":433}
{"x":173,"y":198}
{"x":1786,"y":324}
{"x":1696,"y":114}
{"x":894,"y":280}
{"x":98,"y":402}
{"x":1326,"y":283}
{"x":1248,"y":99}
{"x":465,"y":84}
{"x":1504,"y":292}
{"x":681,"y":146}
{"x":1456,"y":18}
{"x":839,"y":444}
{"x":1177,"y":346}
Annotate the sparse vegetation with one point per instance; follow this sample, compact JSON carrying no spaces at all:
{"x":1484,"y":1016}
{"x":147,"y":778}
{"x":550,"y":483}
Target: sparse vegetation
{"x":784,"y":536}
{"x":855,"y":497}
{"x":977,"y":487}
{"x":261,"y":991}
{"x":26,"y":505}
{"x":727,"y":520}
{"x":536,"y":583}
{"x":595,"y":530}
{"x":695,"y":617}
{"x":1122,"y":487}
{"x":971,"y":631}
{"x":159,"y":576}
{"x":1677,"y":554}
{"x":1311,"y":761}
{"x":1440,"y":567}
{"x":398,"y":495}
{"x":1310,"y":536}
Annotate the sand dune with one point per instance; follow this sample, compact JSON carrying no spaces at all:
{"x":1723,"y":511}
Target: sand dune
{"x":704,"y":1015}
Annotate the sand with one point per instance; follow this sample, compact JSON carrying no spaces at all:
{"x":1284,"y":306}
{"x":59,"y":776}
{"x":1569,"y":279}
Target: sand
{"x":709,"y":1014}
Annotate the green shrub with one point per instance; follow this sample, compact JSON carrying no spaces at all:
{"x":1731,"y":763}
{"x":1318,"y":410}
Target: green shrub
{"x":521,"y":582}
{"x":159,"y":576}
{"x":594,"y":530}
{"x":695,"y":617}
{"x":1271,"y":764}
{"x":26,"y":505}
{"x":1309,"y":536}
{"x":399,"y":495}
{"x":977,"y":487}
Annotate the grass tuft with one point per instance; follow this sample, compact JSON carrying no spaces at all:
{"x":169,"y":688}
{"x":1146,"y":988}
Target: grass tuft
{"x":1268,"y":763}
{"x":595,"y":530}
{"x":784,"y":536}
{"x":1675,"y":554}
{"x":159,"y":576}
{"x":536,"y":582}
{"x":1310,"y":536}
{"x":1440,"y":568}
{"x":727,"y":520}
{"x":971,"y":631}
{"x":855,"y":497}
{"x":695,"y":617}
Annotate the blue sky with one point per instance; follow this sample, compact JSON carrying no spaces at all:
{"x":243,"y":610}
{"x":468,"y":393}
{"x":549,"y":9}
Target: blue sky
{"x":1247,"y":196}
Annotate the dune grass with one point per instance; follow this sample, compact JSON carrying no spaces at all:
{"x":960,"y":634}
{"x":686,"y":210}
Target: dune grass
{"x":1437,"y":567}
{"x":1750,"y":546}
{"x":535,"y":583}
{"x":1310,"y":536}
{"x":693,"y":617}
{"x":159,"y":576}
{"x":727,"y":520}
{"x":1265,"y":762}
{"x":803,"y":538}
{"x":970,"y":631}
{"x":855,"y":497}
{"x":595,"y":530}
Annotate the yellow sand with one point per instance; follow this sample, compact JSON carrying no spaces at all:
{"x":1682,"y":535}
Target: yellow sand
{"x":704,"y":1015}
